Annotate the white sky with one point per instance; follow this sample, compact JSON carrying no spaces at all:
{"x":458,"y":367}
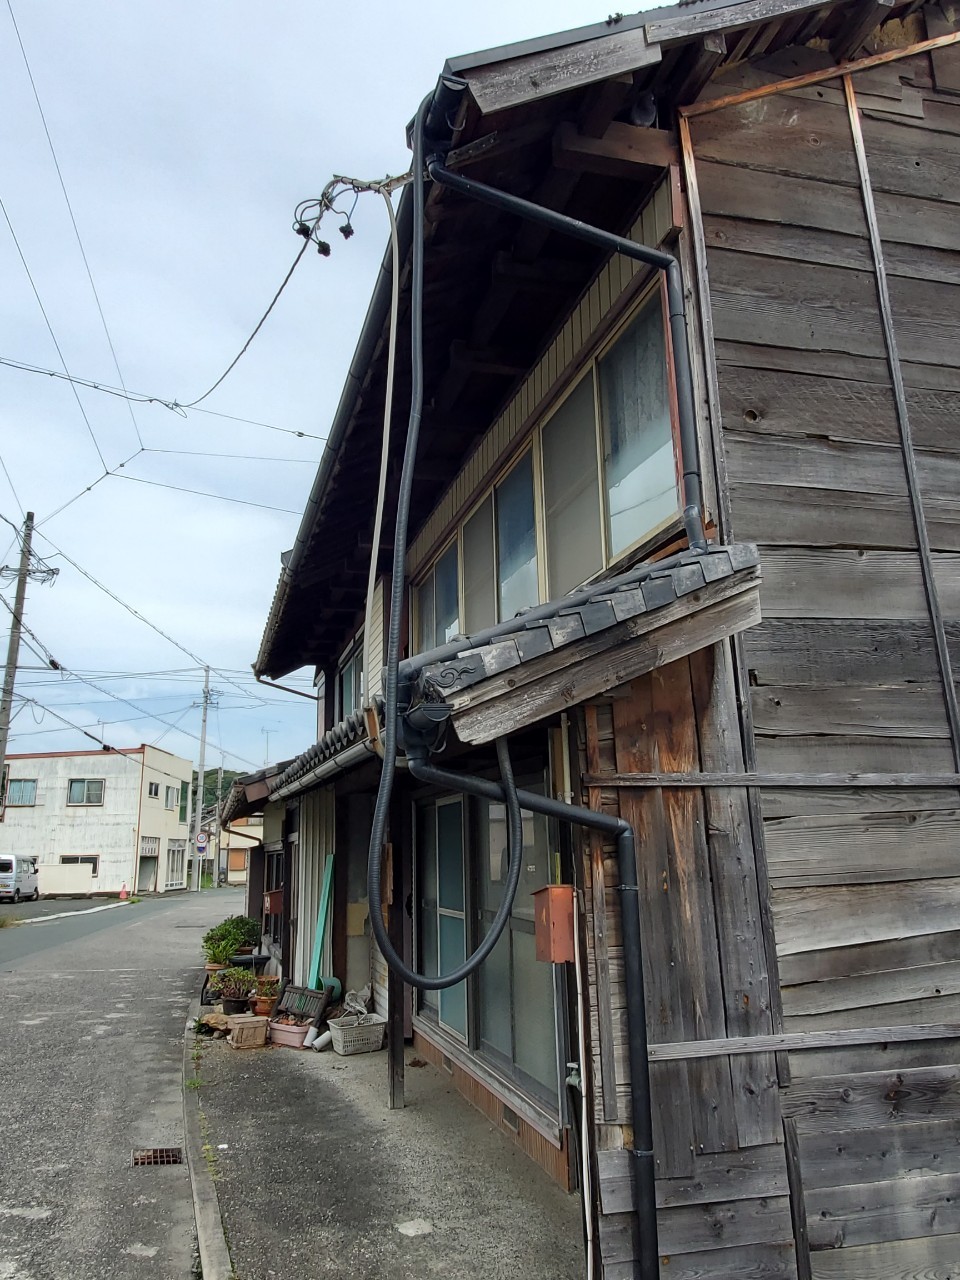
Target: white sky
{"x":186,"y":134}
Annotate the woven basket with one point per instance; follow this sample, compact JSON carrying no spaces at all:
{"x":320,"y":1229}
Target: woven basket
{"x":357,"y":1033}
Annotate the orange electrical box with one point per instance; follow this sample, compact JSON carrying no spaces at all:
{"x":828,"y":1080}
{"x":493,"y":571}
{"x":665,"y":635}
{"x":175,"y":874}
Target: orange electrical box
{"x":273,"y":902}
{"x":553,"y":916}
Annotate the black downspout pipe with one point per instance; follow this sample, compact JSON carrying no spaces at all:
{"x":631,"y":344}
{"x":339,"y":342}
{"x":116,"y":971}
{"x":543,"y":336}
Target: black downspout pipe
{"x":665,"y":262}
{"x":647,"y":1266}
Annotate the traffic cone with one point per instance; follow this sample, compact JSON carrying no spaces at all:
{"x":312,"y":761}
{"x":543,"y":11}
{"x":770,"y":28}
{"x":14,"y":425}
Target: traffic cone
{"x":123,"y":892}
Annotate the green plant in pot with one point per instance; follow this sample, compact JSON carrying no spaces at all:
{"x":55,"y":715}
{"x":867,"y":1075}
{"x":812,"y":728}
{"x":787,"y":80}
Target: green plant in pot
{"x":232,"y":987}
{"x":219,"y":951}
{"x":264,"y":995}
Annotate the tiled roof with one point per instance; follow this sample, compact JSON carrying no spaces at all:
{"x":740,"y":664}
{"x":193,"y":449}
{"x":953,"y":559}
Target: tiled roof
{"x":342,"y":735}
{"x":576,"y":616}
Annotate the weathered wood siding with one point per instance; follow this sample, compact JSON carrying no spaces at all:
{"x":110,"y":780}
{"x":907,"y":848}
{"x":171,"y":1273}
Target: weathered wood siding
{"x":718,"y":1134}
{"x":843,"y":674}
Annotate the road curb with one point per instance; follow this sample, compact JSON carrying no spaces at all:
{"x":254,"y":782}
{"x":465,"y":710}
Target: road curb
{"x":69,"y":915}
{"x":211,"y":1240}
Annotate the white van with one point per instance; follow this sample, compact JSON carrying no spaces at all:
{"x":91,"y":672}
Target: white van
{"x":18,"y":877}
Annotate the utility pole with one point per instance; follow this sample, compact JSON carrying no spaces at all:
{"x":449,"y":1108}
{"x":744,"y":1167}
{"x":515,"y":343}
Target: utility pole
{"x":13,"y":651}
{"x":217,"y":819}
{"x":198,"y":806}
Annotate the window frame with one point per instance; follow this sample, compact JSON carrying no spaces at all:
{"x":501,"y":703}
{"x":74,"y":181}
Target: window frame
{"x":348,"y":659}
{"x":86,"y":803}
{"x":82,"y":859}
{"x":532,"y":443}
{"x":153,"y":790}
{"x":21,"y":804}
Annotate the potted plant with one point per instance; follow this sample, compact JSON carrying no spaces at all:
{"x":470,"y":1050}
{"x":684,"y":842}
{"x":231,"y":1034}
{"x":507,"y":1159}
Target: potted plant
{"x":232,"y":987}
{"x":218,"y":951}
{"x":290,"y":1029}
{"x":264,"y":995}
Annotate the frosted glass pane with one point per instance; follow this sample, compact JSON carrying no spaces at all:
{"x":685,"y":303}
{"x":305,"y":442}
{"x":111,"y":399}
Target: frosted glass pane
{"x":427,"y":886}
{"x":517,"y":540}
{"x":426,"y":618}
{"x":447,"y":597}
{"x":536,"y":864}
{"x":571,"y":492}
{"x":450,"y":856}
{"x":494,"y":855}
{"x":536,"y":1036}
{"x":495,"y":998}
{"x":479,"y":572}
{"x":453,"y":1001}
{"x":638,"y":442}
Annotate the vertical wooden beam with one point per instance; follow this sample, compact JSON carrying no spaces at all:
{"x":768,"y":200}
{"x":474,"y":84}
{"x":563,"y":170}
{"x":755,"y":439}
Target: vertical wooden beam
{"x":798,"y":1204}
{"x":726,"y":526}
{"x":903,"y":421}
{"x":608,"y":1070}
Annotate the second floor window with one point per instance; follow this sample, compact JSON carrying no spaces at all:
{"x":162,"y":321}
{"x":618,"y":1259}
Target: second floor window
{"x":598,"y":481}
{"x":153,"y":790}
{"x":22,"y":791}
{"x":171,"y":797}
{"x":350,"y":680}
{"x":85,"y":791}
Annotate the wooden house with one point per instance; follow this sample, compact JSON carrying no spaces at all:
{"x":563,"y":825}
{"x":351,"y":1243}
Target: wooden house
{"x":775,"y":718}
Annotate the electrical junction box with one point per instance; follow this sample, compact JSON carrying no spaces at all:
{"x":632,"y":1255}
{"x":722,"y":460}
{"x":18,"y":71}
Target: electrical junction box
{"x":553,"y":923}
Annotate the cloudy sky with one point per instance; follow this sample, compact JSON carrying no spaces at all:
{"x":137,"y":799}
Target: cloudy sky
{"x":186,"y":134}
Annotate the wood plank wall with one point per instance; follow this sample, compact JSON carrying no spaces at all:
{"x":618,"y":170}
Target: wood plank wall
{"x":721,"y":1169}
{"x":843,"y":674}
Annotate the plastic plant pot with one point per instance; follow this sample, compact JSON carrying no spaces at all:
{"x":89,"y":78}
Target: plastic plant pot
{"x":285,"y":1034}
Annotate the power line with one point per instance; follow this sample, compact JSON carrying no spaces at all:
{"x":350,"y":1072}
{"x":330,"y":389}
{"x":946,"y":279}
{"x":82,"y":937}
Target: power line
{"x":12,"y":490}
{"x":139,"y":397}
{"x":53,"y":336}
{"x":200,"y":493}
{"x":136,"y":613}
{"x":77,"y":496}
{"x":116,"y":697}
{"x":260,"y":323}
{"x":125,"y":752}
{"x":236,"y":457}
{"x":73,"y":220}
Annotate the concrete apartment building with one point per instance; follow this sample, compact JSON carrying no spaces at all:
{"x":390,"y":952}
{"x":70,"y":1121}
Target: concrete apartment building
{"x":99,"y":820}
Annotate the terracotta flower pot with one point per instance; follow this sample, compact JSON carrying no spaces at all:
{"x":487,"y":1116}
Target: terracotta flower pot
{"x":262,"y":1006}
{"x":212,"y":968}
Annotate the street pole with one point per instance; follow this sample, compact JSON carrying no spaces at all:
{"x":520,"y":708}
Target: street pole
{"x":13,"y":651}
{"x":198,"y":806}
{"x":217,"y":819}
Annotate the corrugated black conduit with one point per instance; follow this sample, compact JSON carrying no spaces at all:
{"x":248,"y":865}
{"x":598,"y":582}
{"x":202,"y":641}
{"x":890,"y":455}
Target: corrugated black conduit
{"x":434,"y":113}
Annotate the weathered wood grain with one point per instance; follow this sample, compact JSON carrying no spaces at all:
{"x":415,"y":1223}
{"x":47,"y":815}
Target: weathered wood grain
{"x":862,"y":849}
{"x":806,"y":754}
{"x":695,"y":1228}
{"x":600,"y":926}
{"x":871,"y":958}
{"x":814,"y":919}
{"x":690,"y":892}
{"x":783,"y":403}
{"x":801,"y":583}
{"x":837,"y":364}
{"x":923,"y":1012}
{"x":912,"y":710}
{"x":815,"y":464}
{"x":890,"y":1055}
{"x":796,"y":304}
{"x":872,"y":1099}
{"x":753,"y":1262}
{"x":794,"y":802}
{"x":741,"y":927}
{"x":783,"y":516}
{"x":912,"y":162}
{"x":782,"y":134}
{"x":825,"y":652}
{"x":665,"y":980}
{"x":872,"y":990}
{"x":930,"y":1258}
{"x":734,"y":1175}
{"x":853,"y":1157}
{"x":878,"y":1211}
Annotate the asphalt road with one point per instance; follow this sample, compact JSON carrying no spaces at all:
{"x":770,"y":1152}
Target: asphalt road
{"x":91,"y":1068}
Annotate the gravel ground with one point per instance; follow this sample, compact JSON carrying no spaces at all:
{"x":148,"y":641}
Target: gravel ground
{"x":317,"y":1179}
{"x":91,"y":1063}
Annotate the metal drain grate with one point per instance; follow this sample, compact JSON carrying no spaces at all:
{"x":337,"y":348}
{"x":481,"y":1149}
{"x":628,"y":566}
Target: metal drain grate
{"x":158,"y":1155}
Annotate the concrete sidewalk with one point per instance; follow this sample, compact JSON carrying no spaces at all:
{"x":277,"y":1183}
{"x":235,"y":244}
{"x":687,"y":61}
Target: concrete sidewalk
{"x":316,"y":1178}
